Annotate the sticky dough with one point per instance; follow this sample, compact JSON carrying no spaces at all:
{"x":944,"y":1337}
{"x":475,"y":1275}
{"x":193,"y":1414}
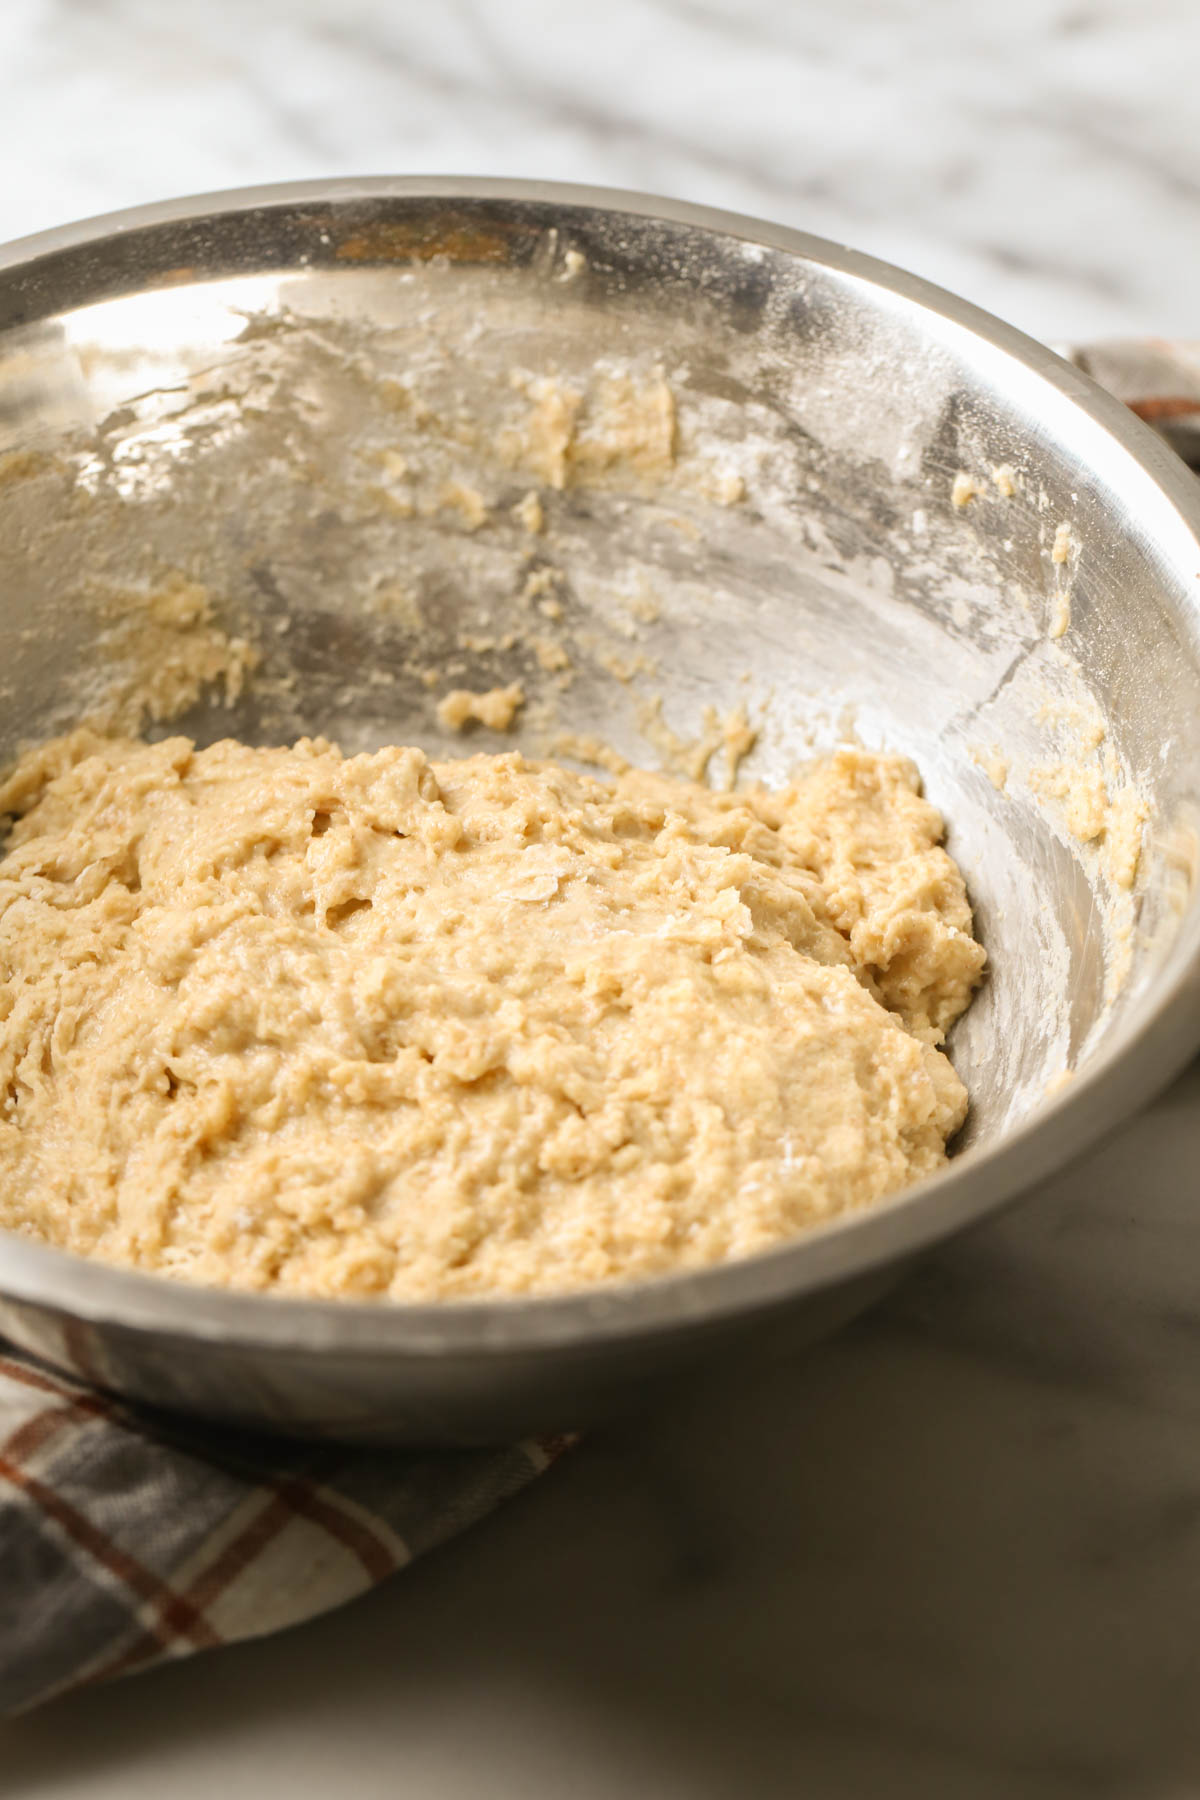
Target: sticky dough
{"x":279,"y":1019}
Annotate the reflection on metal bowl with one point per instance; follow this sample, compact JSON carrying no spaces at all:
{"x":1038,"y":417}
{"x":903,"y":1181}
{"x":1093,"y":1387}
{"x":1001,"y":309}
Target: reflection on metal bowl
{"x":768,"y":473}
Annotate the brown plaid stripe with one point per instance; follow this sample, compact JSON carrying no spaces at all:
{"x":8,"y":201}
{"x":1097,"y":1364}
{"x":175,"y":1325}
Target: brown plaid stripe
{"x":125,"y":1539}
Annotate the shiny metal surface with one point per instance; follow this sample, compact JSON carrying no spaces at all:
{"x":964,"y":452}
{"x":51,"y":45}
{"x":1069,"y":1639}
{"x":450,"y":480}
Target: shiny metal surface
{"x":291,"y":396}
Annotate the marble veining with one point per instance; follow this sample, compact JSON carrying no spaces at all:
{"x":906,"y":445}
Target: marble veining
{"x":1038,"y":156}
{"x":955,"y":1552}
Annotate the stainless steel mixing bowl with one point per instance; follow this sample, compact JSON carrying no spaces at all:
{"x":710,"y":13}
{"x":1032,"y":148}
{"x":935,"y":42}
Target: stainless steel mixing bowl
{"x":321,"y":404}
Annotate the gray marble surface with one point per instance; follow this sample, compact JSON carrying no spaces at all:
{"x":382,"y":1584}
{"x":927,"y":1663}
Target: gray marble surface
{"x":957,"y":1551}
{"x":1039,"y":156}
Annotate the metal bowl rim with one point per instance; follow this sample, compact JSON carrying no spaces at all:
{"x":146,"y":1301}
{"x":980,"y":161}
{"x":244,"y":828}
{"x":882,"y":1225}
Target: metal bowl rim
{"x":1163,"y":1028}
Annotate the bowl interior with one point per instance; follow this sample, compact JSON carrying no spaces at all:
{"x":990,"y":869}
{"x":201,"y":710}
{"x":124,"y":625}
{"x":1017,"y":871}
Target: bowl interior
{"x":306,"y":469}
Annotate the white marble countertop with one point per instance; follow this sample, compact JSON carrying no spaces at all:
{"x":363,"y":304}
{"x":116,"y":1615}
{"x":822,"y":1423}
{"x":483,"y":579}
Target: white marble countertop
{"x":1039,"y":156}
{"x":957,"y":1551}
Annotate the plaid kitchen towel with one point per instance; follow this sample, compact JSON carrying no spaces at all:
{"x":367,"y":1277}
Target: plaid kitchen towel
{"x":127,"y":1537}
{"x":1159,"y":378}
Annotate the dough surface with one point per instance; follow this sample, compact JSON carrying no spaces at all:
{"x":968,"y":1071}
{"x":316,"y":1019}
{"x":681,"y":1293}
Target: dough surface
{"x":376,"y":1026}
